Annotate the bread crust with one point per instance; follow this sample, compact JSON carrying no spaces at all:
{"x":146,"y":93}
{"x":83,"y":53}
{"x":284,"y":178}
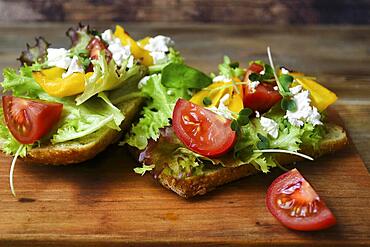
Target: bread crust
{"x":199,"y":185}
{"x":72,"y":152}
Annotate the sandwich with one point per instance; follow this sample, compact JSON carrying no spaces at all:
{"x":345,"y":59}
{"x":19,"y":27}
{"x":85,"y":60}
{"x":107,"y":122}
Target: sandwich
{"x":198,"y":132}
{"x":64,"y":106}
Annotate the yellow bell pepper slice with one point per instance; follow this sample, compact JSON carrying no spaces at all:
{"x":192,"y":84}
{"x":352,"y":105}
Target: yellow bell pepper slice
{"x":138,"y":52}
{"x":321,"y":97}
{"x":143,"y":42}
{"x":216,"y":91}
{"x":52,"y":82}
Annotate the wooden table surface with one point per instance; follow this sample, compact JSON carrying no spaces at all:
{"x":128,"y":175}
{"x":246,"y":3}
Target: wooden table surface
{"x":105,"y":203}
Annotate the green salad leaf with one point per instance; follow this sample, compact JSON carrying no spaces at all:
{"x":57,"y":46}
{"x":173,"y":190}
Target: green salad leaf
{"x":177,"y":75}
{"x":76,"y":122}
{"x":230,"y":69}
{"x":156,"y":113}
{"x":108,"y":76}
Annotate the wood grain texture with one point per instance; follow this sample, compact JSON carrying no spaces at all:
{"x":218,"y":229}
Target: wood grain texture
{"x":220,"y":11}
{"x":103,"y":203}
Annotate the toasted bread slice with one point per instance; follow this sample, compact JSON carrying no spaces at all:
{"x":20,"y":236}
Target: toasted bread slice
{"x":82,"y":149}
{"x":335,"y":139}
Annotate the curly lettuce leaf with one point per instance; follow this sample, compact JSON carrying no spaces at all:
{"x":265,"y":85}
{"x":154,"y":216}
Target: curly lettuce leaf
{"x":76,"y":122}
{"x":156,"y":114}
{"x":230,"y":69}
{"x":22,"y":83}
{"x":36,"y":53}
{"x":87,"y":118}
{"x":108,"y":76}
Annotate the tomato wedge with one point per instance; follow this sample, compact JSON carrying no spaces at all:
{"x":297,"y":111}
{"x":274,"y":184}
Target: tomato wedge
{"x":95,"y":46}
{"x":264,"y":96}
{"x":292,"y":200}
{"x":29,"y":120}
{"x":202,"y":130}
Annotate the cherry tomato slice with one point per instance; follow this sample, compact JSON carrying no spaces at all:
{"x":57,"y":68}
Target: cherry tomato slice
{"x":262,"y":98}
{"x":202,"y":130}
{"x":255,"y":68}
{"x":292,"y":200}
{"x":95,"y":45}
{"x":29,"y":120}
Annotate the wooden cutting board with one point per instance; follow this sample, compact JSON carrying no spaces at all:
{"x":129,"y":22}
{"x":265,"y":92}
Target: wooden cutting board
{"x":103,"y":202}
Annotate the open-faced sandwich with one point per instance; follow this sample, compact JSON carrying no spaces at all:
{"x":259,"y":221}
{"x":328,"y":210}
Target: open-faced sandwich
{"x":198,"y":132}
{"x":66,"y":105}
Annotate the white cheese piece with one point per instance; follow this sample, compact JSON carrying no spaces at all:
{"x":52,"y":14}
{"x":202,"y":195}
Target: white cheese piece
{"x":143,"y":81}
{"x":159,"y":57}
{"x":257,"y":114}
{"x":74,"y":67}
{"x":270,"y":126}
{"x":221,"y":78}
{"x":254,"y":84}
{"x":58,"y":57}
{"x":108,"y":36}
{"x":222,"y":108}
{"x":296,"y":89}
{"x":305,"y":112}
{"x":262,"y":72}
{"x":119,"y":51}
{"x":276,"y":88}
{"x":284,"y":71}
{"x":158,"y":46}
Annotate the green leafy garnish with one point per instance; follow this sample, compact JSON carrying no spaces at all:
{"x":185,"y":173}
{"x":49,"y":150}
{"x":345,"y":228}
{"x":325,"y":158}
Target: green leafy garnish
{"x":230,"y":69}
{"x":243,"y":117}
{"x":285,"y":81}
{"x":288,"y":104}
{"x":264,"y":142}
{"x":177,"y":75}
{"x":142,"y":170}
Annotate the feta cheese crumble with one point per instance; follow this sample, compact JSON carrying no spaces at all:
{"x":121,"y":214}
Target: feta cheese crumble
{"x":284,"y":71}
{"x":253,"y":85}
{"x":74,"y":67}
{"x":270,"y":126}
{"x":222,"y":108}
{"x":58,"y":57}
{"x":158,"y":46}
{"x":257,"y":114}
{"x":221,"y":78}
{"x":305,"y":112}
{"x":119,"y":51}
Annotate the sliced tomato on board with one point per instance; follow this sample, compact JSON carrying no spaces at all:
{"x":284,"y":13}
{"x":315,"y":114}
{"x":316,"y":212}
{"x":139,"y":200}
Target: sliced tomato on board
{"x":29,"y":120}
{"x":264,"y":96}
{"x":202,"y":130}
{"x":292,"y":200}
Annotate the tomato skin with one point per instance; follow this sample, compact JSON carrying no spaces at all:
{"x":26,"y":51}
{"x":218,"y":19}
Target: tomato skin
{"x":202,"y":130}
{"x":95,"y":46}
{"x":255,"y":68}
{"x":29,"y":120}
{"x":264,"y":96}
{"x":294,"y":191}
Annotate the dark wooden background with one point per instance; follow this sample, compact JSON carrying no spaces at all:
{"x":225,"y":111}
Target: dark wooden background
{"x":220,"y":11}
